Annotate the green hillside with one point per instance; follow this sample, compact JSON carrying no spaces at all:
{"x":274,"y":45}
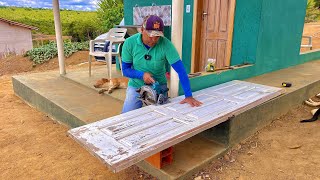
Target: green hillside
{"x":81,"y":25}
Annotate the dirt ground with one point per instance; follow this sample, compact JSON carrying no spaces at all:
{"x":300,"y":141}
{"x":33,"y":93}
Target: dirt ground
{"x":313,"y":30}
{"x":32,"y":146}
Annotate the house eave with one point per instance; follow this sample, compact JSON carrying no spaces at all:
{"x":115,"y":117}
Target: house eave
{"x":14,"y":23}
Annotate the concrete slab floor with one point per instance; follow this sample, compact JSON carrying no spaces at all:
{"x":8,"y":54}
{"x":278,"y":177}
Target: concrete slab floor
{"x":82,"y":77}
{"x":299,"y":76}
{"x":83,"y":103}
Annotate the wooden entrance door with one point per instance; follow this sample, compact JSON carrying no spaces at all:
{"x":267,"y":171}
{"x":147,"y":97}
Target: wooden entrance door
{"x":216,"y":31}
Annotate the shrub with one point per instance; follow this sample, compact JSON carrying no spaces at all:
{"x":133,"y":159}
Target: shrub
{"x":110,"y":13}
{"x":312,"y":13}
{"x":46,"y":52}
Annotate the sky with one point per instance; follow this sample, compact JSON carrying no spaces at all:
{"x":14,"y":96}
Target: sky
{"x":82,"y":5}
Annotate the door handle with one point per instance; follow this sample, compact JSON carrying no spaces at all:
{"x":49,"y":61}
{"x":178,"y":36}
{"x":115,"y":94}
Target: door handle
{"x":204,"y":14}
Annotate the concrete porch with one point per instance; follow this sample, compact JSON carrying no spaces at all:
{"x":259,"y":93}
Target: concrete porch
{"x":70,"y":99}
{"x":81,"y":76}
{"x":73,"y":101}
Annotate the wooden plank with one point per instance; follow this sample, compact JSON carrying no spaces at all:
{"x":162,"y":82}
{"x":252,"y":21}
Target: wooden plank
{"x":151,"y":133}
{"x":217,"y":35}
{"x":126,"y":139}
{"x":223,"y":16}
{"x":199,"y":39}
{"x":221,"y":54}
{"x":216,"y":11}
{"x":141,"y":127}
{"x":210,"y":51}
{"x":212,"y":19}
{"x":130,"y":123}
{"x":203,"y":34}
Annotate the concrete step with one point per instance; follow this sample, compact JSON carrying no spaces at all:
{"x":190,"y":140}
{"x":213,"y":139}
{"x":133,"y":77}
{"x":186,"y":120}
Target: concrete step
{"x":63,"y":100}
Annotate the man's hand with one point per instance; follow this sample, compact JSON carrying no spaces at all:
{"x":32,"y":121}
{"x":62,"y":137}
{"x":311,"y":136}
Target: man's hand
{"x":147,"y":78}
{"x":192,"y":101}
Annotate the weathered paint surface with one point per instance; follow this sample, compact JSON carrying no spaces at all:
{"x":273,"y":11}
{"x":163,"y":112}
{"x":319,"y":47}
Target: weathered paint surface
{"x":126,"y":139}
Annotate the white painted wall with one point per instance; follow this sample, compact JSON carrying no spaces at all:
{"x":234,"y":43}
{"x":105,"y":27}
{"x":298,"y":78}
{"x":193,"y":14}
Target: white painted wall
{"x":14,"y":39}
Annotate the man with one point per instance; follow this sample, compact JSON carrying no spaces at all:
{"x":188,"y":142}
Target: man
{"x":144,"y":56}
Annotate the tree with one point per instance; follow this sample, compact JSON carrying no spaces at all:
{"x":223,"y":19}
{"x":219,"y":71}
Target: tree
{"x":312,"y":13}
{"x":110,"y":13}
{"x":317,"y":3}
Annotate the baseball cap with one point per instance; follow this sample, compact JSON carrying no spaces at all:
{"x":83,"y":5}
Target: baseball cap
{"x":154,"y":26}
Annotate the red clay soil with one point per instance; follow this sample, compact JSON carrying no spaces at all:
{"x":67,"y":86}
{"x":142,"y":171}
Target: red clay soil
{"x":313,"y":30}
{"x":19,"y":64}
{"x":32,"y":146}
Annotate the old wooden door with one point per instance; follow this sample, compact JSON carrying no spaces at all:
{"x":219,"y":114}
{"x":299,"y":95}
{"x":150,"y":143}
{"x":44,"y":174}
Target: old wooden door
{"x":216,"y":32}
{"x":126,"y":139}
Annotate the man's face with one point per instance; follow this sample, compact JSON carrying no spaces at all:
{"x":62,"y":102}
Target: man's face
{"x":150,"y":41}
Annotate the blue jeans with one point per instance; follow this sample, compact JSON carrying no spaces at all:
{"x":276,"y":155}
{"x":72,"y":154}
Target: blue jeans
{"x":132,"y":102}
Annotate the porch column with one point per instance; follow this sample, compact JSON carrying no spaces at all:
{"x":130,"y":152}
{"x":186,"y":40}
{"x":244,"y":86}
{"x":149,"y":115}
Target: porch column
{"x":57,"y":25}
{"x":176,"y":38}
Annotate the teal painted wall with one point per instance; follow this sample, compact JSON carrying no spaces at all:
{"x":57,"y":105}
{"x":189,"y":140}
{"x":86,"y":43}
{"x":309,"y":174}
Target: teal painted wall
{"x":246,"y":31}
{"x":244,"y":46}
{"x":187,"y":36}
{"x":270,"y":39}
{"x":267,"y":34}
{"x":246,"y":24}
{"x":305,"y":57}
{"x":280,"y":34}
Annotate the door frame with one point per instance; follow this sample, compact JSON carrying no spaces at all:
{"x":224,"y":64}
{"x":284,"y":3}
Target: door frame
{"x":196,"y":35}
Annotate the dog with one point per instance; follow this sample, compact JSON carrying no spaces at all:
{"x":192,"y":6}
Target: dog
{"x":110,"y":85}
{"x":315,"y":112}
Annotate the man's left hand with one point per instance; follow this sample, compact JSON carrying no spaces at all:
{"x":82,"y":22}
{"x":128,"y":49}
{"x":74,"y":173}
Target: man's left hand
{"x":192,"y":101}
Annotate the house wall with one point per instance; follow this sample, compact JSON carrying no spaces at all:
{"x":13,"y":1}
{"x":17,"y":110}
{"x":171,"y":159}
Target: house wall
{"x":130,"y":4}
{"x":267,"y":34}
{"x":14,"y":39}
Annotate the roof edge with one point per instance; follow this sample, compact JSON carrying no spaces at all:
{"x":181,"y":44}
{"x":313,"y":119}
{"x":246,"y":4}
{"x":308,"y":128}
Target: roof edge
{"x":18,"y":24}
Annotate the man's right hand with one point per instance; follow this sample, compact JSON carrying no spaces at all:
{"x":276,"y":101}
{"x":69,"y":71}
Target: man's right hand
{"x":147,"y":78}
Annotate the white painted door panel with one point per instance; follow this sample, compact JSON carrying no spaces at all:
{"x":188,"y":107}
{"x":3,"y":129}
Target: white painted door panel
{"x":126,"y":139}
